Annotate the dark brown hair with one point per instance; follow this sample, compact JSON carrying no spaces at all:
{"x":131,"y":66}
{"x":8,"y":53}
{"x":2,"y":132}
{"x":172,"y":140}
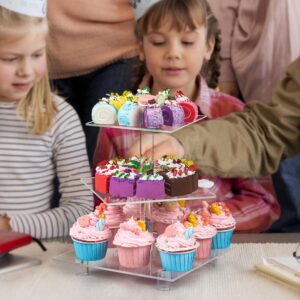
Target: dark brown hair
{"x":185,"y":14}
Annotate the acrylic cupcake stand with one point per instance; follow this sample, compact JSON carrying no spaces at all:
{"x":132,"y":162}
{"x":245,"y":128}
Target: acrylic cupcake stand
{"x":154,"y":269}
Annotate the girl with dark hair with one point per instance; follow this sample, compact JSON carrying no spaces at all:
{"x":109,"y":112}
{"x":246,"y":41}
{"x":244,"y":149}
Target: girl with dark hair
{"x":179,"y":45}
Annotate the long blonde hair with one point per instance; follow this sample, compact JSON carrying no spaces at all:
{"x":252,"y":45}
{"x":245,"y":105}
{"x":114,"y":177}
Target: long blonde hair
{"x":37,"y":108}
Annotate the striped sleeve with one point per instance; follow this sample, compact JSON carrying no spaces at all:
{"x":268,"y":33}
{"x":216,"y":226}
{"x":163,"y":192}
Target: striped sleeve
{"x":71,"y":164}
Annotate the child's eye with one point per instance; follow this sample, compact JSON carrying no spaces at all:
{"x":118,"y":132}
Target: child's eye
{"x":187,"y":43}
{"x":158,"y":43}
{"x":9,"y":59}
{"x":37,"y":55}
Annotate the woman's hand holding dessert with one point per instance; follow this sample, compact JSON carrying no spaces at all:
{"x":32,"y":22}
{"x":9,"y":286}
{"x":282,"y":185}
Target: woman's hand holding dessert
{"x":156,"y":145}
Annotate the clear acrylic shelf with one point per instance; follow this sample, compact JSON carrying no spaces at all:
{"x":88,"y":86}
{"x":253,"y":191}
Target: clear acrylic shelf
{"x":164,"y":129}
{"x":152,"y":271}
{"x":199,"y":194}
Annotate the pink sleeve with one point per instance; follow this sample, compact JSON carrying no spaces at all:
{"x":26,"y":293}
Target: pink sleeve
{"x":253,"y":205}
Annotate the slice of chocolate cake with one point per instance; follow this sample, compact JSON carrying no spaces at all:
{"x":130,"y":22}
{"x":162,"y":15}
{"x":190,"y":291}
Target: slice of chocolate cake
{"x":180,"y":182}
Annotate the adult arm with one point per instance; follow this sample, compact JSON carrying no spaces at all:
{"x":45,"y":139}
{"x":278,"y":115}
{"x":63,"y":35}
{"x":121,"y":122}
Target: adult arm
{"x":245,"y":144}
{"x":252,"y":142}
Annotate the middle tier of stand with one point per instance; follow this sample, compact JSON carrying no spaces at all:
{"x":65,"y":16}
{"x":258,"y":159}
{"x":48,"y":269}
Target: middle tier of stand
{"x":199,"y":194}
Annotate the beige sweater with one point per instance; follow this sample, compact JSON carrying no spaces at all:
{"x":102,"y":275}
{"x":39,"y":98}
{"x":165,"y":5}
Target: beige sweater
{"x":85,"y":35}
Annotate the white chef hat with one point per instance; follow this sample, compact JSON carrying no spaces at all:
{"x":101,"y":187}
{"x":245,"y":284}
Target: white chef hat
{"x":34,"y":8}
{"x":141,"y":6}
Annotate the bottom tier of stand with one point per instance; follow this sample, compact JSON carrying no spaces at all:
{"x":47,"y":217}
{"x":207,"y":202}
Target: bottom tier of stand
{"x":152,"y":271}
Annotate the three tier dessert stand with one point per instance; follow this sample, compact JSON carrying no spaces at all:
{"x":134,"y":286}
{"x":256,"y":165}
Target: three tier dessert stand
{"x":153,"y":270}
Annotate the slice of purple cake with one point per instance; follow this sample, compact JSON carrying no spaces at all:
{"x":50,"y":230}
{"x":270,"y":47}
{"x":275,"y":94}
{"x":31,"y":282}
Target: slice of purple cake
{"x":150,"y":187}
{"x":123,"y":184}
{"x":153,"y":117}
{"x":173,"y":114}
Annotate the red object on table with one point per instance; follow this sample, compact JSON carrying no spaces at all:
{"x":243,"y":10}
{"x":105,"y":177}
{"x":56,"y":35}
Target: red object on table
{"x":10,"y":240}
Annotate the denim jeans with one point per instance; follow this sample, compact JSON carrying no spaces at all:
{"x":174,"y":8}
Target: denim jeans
{"x":287,"y":186}
{"x":83,"y":92}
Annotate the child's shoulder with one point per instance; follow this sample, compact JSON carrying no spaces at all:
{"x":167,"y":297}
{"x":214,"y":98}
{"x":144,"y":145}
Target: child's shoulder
{"x":63,"y":107}
{"x":216,"y":104}
{"x":65,"y":112}
{"x":224,"y":104}
{"x":61,"y":104}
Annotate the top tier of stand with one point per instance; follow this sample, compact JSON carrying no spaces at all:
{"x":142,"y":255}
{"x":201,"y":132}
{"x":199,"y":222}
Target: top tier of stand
{"x":164,"y":129}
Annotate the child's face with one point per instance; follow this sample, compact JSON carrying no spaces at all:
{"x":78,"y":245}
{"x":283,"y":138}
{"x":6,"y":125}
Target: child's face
{"x":22,"y":64}
{"x":174,"y":59}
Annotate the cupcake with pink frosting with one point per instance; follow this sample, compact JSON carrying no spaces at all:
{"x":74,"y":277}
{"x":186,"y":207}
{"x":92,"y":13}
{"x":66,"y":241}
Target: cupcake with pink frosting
{"x":164,"y":214}
{"x":114,"y":217}
{"x":177,"y":247}
{"x":134,"y":244}
{"x":204,"y":232}
{"x":90,"y":235}
{"x":224,"y":222}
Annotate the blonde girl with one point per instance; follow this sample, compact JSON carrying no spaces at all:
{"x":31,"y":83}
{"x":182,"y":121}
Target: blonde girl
{"x":41,"y":138}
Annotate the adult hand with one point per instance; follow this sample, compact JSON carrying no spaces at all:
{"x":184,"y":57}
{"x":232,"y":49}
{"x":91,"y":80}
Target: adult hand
{"x":157,"y":144}
{"x":4,"y":223}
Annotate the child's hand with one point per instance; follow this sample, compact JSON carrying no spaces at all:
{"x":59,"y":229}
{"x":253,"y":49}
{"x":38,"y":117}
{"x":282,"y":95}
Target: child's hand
{"x":4,"y":223}
{"x":162,"y":144}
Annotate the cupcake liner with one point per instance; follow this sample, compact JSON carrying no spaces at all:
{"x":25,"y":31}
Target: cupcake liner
{"x":134,"y":257}
{"x":223,"y":239}
{"x":204,"y":248}
{"x":90,"y":251}
{"x":113,"y":233}
{"x":177,"y":261}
